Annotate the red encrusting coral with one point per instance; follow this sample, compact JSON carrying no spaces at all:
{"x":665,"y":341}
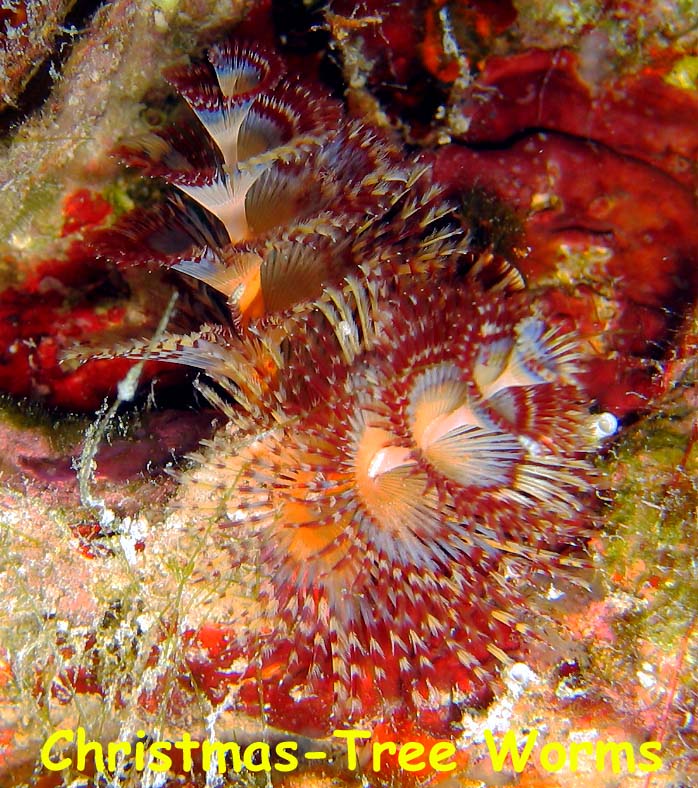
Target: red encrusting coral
{"x":58,"y":302}
{"x":485,"y":18}
{"x":639,"y":115}
{"x":519,"y":113}
{"x":83,"y":209}
{"x":36,"y":325}
{"x":608,"y":253}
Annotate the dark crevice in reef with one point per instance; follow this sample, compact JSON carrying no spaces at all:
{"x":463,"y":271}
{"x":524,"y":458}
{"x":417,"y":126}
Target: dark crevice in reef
{"x":39,"y":87}
{"x":300,"y":26}
{"x":302,"y":32}
{"x":416,"y":102}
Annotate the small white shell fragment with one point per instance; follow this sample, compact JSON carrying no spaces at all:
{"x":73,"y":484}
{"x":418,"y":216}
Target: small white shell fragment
{"x":603,"y":426}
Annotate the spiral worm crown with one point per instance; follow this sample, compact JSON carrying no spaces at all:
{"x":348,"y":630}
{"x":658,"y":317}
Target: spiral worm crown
{"x":405,"y":449}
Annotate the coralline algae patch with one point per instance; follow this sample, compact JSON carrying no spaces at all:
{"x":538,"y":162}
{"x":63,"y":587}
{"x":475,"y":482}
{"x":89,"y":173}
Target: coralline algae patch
{"x":55,"y":307}
{"x":652,"y":470}
{"x":67,"y":296}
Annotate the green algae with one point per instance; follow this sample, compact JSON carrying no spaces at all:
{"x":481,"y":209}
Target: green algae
{"x":62,"y":431}
{"x":684,"y":74}
{"x":118,"y":196}
{"x":29,"y":221}
{"x":493,"y":224}
{"x":651,"y":538}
